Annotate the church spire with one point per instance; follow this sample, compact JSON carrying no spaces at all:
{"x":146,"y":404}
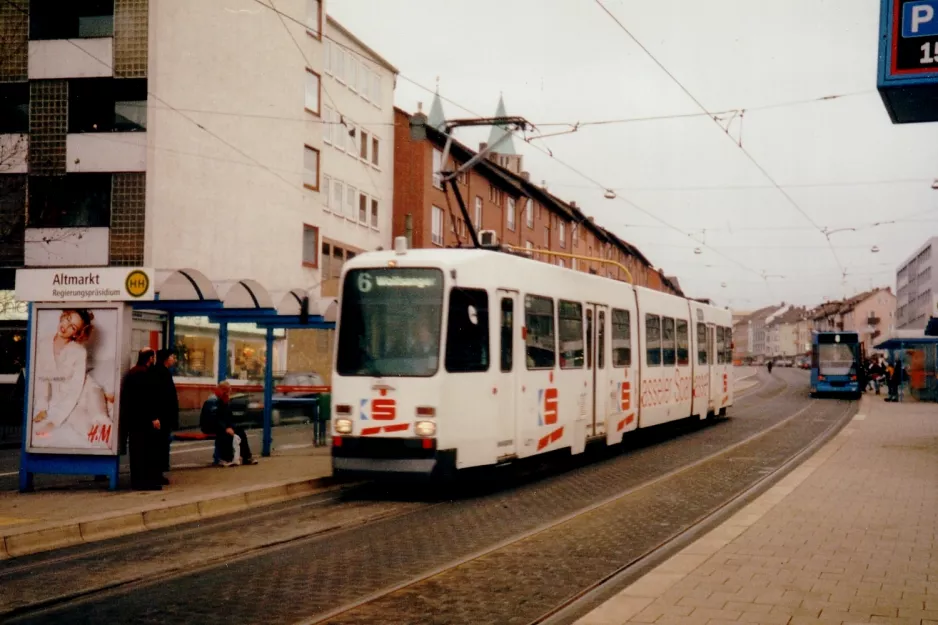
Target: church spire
{"x":507,"y":146}
{"x":436,"y":119}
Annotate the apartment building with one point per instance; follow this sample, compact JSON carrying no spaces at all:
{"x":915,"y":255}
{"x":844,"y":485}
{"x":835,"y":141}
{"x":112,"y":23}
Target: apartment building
{"x":500,"y":198}
{"x":917,"y":287}
{"x":208,"y":135}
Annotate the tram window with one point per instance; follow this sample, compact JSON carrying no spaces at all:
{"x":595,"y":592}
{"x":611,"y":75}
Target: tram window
{"x":683,"y":356}
{"x":721,"y":354}
{"x":467,"y":332}
{"x":667,"y":341}
{"x":570,"y":315}
{"x":728,"y":345}
{"x":701,"y":343}
{"x":508,"y":323}
{"x":621,"y":338}
{"x":589,"y":339}
{"x":601,"y":340}
{"x":653,"y":340}
{"x":540,"y":349}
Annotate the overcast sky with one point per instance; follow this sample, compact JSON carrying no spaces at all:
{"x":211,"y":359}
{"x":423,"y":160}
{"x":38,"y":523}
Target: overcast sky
{"x":562,"y":61}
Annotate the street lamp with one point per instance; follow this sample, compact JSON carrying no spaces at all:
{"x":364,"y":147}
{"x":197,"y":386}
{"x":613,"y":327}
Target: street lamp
{"x":609,"y":194}
{"x":934,"y":185}
{"x":875,"y":249}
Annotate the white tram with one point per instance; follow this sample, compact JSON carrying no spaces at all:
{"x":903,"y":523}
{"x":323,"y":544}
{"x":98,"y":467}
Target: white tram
{"x":456,"y":358}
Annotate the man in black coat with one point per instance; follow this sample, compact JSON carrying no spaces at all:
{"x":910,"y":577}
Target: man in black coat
{"x":165,"y":403}
{"x":139,"y":421}
{"x":216,"y":418}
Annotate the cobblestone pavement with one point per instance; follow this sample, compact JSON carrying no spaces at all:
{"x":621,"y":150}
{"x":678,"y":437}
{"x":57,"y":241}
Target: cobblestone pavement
{"x":316,"y":575}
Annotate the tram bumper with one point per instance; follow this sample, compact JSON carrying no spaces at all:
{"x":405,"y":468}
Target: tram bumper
{"x":390,"y":458}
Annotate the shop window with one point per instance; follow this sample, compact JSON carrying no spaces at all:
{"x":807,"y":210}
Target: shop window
{"x":71,"y":19}
{"x":195,"y":354}
{"x":247,"y":358}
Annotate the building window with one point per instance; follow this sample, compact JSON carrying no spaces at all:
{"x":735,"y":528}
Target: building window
{"x":376,"y":89}
{"x":327,"y":118}
{"x":529,"y":212}
{"x":511,"y":214}
{"x":313,"y":86}
{"x":52,"y":19}
{"x":107,"y":104}
{"x":436,"y":233}
{"x":311,"y":168}
{"x":314,"y":18}
{"x":338,"y":62}
{"x":338,"y":197}
{"x":563,"y":234}
{"x":352,"y":143}
{"x":70,"y":201}
{"x":353,"y":68}
{"x":362,"y":208}
{"x":310,"y":246}
{"x":351,"y":202}
{"x":339,"y":131}
{"x":437,"y":168}
{"x":327,"y":192}
{"x":477,"y":216}
{"x":363,"y":81}
{"x":327,"y":56}
{"x":374,"y":151}
{"x":363,"y":147}
{"x":374,"y":213}
{"x":14,"y":107}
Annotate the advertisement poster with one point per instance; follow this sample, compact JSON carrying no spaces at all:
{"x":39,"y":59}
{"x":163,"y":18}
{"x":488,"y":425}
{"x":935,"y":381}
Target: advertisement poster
{"x":74,"y":379}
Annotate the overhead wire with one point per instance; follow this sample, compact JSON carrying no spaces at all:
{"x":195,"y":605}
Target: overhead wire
{"x":703,"y":108}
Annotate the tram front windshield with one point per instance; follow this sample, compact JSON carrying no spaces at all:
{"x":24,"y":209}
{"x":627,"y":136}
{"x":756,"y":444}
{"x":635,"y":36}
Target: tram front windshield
{"x":390,"y":322}
{"x":837,"y":359}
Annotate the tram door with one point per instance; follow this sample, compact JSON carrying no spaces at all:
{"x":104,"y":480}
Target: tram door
{"x":715,"y":381}
{"x":596,"y":398}
{"x":511,"y":355}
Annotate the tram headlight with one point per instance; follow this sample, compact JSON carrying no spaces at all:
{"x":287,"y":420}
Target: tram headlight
{"x":343,"y":426}
{"x":425,"y":428}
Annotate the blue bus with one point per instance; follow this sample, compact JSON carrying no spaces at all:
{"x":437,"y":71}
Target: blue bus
{"x":835,"y":363}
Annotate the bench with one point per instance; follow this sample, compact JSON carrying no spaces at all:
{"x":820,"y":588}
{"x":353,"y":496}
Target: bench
{"x":197,"y":435}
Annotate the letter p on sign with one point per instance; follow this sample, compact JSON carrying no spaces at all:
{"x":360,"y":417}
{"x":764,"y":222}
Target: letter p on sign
{"x":921,"y":14}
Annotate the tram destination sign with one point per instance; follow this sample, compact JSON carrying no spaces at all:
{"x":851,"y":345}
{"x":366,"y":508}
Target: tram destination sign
{"x":908,"y":60}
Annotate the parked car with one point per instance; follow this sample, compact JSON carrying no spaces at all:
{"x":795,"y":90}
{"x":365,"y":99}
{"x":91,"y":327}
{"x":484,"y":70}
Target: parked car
{"x":287,"y":408}
{"x":784,"y":362}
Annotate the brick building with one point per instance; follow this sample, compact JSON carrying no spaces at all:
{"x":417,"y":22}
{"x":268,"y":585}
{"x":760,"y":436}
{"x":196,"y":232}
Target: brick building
{"x":500,"y":197}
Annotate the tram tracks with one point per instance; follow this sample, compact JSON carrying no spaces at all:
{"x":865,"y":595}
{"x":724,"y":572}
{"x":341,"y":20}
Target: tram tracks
{"x":466,"y":590}
{"x":766,"y":412}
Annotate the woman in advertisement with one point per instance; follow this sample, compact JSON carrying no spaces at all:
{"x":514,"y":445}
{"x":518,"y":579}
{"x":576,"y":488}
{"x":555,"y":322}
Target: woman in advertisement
{"x":71,"y":410}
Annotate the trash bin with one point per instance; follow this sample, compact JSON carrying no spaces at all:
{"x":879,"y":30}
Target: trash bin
{"x":323,"y":416}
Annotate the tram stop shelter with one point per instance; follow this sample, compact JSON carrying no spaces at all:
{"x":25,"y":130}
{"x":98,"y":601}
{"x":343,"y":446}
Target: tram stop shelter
{"x":179,"y":292}
{"x":918,"y":355}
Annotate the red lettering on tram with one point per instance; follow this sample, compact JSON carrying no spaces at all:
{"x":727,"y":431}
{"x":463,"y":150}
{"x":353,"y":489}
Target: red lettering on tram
{"x":625,"y":398}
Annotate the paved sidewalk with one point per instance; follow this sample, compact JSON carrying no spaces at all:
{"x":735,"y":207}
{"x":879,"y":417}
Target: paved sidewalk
{"x":51,"y":518}
{"x":850,"y":536}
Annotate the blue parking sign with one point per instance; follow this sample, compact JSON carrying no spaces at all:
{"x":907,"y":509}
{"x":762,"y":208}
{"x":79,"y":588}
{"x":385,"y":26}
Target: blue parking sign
{"x":920,"y":19}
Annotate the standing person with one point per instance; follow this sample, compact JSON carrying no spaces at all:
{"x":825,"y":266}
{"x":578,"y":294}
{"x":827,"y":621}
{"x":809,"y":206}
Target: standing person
{"x":165,"y":403}
{"x":138,"y":418}
{"x":770,"y":365}
{"x":217,"y":419}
